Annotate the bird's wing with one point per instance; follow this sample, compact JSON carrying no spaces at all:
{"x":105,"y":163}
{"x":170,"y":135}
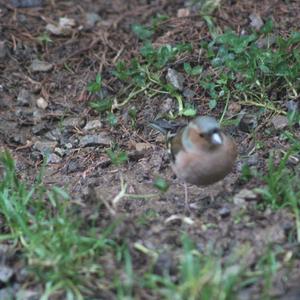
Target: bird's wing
{"x":174,"y":143}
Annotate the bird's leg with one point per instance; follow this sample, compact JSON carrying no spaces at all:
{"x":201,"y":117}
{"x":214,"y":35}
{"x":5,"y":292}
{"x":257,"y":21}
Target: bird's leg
{"x":186,"y":198}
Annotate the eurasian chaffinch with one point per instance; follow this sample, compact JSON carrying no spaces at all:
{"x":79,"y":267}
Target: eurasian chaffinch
{"x":201,"y":153}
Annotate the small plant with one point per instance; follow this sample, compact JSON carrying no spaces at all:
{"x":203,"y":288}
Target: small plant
{"x":282,"y":188}
{"x":202,"y":276}
{"x":193,"y":71}
{"x":250,"y":69}
{"x":44,"y":39}
{"x":161,"y":184}
{"x":96,"y":85}
{"x":60,"y":252}
{"x":144,"y":73}
{"x":116,"y":155}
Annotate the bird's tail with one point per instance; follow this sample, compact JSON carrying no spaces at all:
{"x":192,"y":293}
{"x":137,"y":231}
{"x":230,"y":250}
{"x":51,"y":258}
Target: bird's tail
{"x":166,"y":127}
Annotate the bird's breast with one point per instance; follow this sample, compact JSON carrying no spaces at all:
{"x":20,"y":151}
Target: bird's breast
{"x":204,"y":168}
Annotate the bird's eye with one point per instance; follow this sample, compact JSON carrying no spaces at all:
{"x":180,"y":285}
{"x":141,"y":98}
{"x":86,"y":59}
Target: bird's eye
{"x":201,"y":135}
{"x":216,"y":130}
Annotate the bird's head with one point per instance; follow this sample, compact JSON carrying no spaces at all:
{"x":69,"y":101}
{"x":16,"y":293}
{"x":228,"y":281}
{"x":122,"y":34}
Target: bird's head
{"x":203,"y":132}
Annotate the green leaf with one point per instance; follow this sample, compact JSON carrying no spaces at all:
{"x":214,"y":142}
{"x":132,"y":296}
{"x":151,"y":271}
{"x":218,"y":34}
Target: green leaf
{"x":117,"y":156}
{"x":95,"y":86}
{"x":101,"y":105}
{"x":187,"y":68}
{"x":189,"y":111}
{"x":142,"y":32}
{"x":197,"y":70}
{"x":212,"y":104}
{"x":112,"y":119}
{"x":268,"y":27}
{"x":161,"y":184}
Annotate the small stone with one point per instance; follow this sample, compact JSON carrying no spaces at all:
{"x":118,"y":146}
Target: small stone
{"x":53,"y":158}
{"x":66,"y":22}
{"x":183,"y":12}
{"x":63,"y":28}
{"x":68,"y":146}
{"x":24,"y":97}
{"x":41,"y":103}
{"x":93,"y":124}
{"x":53,"y":135}
{"x":175,"y":78}
{"x":3,"y":49}
{"x":91,"y":19}
{"x":256,"y":21}
{"x":166,"y":106}
{"x":280,"y":122}
{"x":142,"y":146}
{"x":40,"y":66}
{"x":188,"y":93}
{"x":54,"y":29}
{"x":7,"y":293}
{"x":252,"y":160}
{"x":59,"y":151}
{"x":164,"y":264}
{"x":5,"y":273}
{"x":26,"y":3}
{"x":244,"y":195}
{"x":95,"y":140}
{"x":27,"y":295}
{"x":45,"y":147}
{"x":292,"y":106}
{"x":73,"y":122}
{"x":224,"y":212}
{"x":248,"y":123}
{"x":234,"y":108}
{"x":39,"y":128}
{"x":266,"y":41}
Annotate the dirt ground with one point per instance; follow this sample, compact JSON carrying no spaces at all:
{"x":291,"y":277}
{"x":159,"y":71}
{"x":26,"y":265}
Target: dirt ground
{"x":57,"y":126}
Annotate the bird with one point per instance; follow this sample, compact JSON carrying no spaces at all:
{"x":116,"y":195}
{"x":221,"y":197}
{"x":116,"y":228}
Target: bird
{"x":201,"y":153}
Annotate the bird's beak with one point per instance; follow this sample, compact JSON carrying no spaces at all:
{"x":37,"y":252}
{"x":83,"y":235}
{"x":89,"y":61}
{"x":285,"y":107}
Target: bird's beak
{"x":216,"y":138}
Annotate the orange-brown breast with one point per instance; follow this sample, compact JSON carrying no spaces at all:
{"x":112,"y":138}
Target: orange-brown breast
{"x":206,"y":166}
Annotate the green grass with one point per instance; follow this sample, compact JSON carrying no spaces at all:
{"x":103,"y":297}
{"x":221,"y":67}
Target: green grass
{"x":200,"y":276}
{"x":259,"y":69}
{"x":58,"y":249}
{"x":64,"y":254}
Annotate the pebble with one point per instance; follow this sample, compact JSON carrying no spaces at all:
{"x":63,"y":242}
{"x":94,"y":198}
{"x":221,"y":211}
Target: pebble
{"x":234,"y":108}
{"x":292,"y":106}
{"x":280,"y":122}
{"x":93,"y":124}
{"x":256,"y":21}
{"x":248,"y":123}
{"x":188,"y":94}
{"x":3,"y":49}
{"x":73,"y":122}
{"x":41,"y":103}
{"x":26,"y":3}
{"x":142,"y":146}
{"x":45,"y":147}
{"x":39,"y":128}
{"x":95,"y":140}
{"x":244,"y":195}
{"x":183,"y":12}
{"x":5,"y":273}
{"x":53,"y":158}
{"x":40,"y":66}
{"x":24,"y":97}
{"x":175,"y":78}
{"x":224,"y":212}
{"x":59,"y":151}
{"x":91,"y":19}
